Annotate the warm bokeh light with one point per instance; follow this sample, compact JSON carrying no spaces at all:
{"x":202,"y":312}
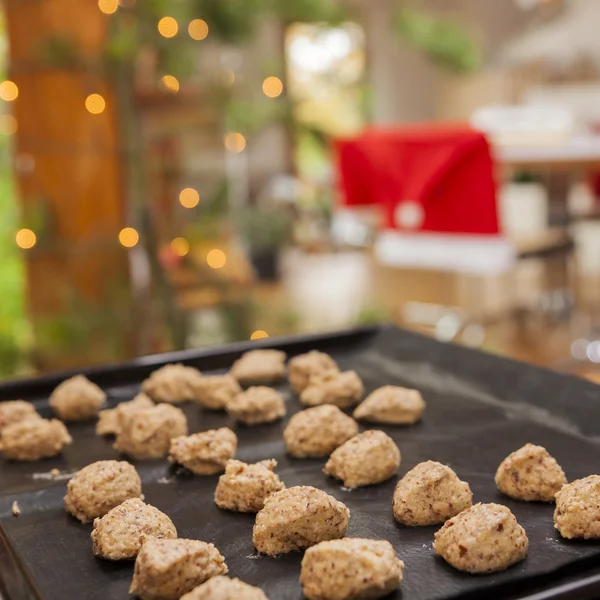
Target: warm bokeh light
{"x":272,"y":87}
{"x":180,"y":246}
{"x":128,"y":237}
{"x":198,"y":29}
{"x":259,"y":334}
{"x":228,"y":77}
{"x":235,"y":142}
{"x":216,"y":259}
{"x":8,"y":125}
{"x":168,"y":27}
{"x":189,"y":198}
{"x":170,"y":83}
{"x":95,"y":104}
{"x":9,"y":90}
{"x":26,"y":239}
{"x":108,"y":7}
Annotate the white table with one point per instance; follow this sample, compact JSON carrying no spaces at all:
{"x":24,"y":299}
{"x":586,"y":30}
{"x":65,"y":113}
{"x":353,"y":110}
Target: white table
{"x":578,"y":153}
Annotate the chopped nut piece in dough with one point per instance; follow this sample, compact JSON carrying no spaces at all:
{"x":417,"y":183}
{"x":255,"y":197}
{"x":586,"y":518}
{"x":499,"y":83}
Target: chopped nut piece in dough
{"x":368,"y":458}
{"x":15,"y":411}
{"x":204,"y":453}
{"x":485,"y":538}
{"x":77,"y":399}
{"x":148,"y":433}
{"x":318,"y":431}
{"x":120,"y":533}
{"x":304,"y":366}
{"x":430,"y":493}
{"x":109,"y":421}
{"x":296,"y":518}
{"x":101,"y":486}
{"x":259,"y":367}
{"x":391,"y":404}
{"x":256,"y":405}
{"x":343,"y":389}
{"x":223,"y":588}
{"x":244,"y":487}
{"x":530,"y":474}
{"x":167,"y":569}
{"x":350,"y":569}
{"x":577,"y":513}
{"x":216,"y":391}
{"x":172,"y":384}
{"x":34,"y":439}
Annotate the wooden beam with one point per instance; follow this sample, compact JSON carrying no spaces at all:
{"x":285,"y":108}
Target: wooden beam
{"x":67,"y":160}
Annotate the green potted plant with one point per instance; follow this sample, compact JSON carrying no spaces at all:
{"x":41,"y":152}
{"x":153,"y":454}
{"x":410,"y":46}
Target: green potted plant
{"x":264,"y":233}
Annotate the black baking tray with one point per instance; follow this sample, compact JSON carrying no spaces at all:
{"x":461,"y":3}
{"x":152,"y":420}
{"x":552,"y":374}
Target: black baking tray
{"x":479,"y":408}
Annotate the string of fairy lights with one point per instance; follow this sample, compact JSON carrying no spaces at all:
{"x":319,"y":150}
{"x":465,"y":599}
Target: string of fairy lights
{"x":95,"y":104}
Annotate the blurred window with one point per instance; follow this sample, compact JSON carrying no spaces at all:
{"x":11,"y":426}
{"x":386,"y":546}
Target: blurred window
{"x":326,"y":71}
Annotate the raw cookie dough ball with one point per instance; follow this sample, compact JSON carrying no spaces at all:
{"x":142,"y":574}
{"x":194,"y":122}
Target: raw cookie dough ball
{"x":332,"y":387}
{"x":391,"y":404}
{"x":430,"y":493}
{"x":109,"y":421}
{"x":304,"y":366}
{"x":368,"y":458}
{"x":34,"y":439}
{"x":256,"y":405}
{"x":350,"y":569}
{"x":482,"y":539}
{"x":15,"y":411}
{"x":167,"y":569}
{"x":530,"y":474}
{"x":296,"y":518}
{"x":577,"y":513}
{"x":120,"y":533}
{"x":216,"y":391}
{"x":172,"y":384}
{"x":148,"y":433}
{"x":318,"y":431}
{"x":244,"y":487}
{"x":259,"y":366}
{"x":204,"y":453}
{"x":100,"y":487}
{"x":77,"y":399}
{"x":223,"y":588}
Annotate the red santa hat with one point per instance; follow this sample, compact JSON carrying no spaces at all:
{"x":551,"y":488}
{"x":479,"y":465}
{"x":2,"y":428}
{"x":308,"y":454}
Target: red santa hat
{"x":435,"y":186}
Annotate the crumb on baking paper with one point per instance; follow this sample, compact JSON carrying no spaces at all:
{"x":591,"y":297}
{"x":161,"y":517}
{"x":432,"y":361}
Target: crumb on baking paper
{"x":54,"y":475}
{"x":16,"y":511}
{"x":165,"y":480}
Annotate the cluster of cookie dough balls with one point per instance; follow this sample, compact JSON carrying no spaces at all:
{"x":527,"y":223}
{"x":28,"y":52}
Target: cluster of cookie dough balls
{"x":109,"y":493}
{"x":486,"y":538}
{"x":474,"y":538}
{"x":26,"y":436}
